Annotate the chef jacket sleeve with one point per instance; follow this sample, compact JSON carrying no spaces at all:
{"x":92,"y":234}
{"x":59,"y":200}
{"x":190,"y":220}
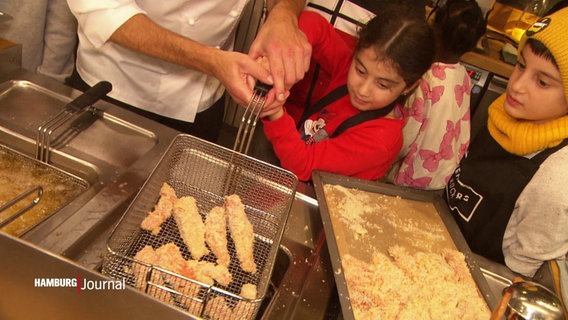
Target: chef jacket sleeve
{"x":100,"y":19}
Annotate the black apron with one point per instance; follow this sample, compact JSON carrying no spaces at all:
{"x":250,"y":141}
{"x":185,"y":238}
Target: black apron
{"x":350,"y":122}
{"x":482,"y":192}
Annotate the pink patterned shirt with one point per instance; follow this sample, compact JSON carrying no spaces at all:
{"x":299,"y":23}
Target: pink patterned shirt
{"x":437,"y":128}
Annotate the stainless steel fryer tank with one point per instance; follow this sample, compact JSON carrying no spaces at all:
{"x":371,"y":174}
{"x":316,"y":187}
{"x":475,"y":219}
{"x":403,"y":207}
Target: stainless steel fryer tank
{"x":109,"y":149}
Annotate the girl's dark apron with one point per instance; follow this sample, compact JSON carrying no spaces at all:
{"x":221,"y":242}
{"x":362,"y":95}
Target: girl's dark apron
{"x":482,"y":192}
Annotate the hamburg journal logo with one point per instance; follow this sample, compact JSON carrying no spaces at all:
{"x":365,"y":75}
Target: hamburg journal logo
{"x":79,"y":283}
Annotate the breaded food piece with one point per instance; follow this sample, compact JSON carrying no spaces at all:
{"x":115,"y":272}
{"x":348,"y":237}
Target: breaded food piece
{"x":242,"y":232}
{"x":244,"y":309}
{"x":190,"y":225}
{"x":206,"y":272}
{"x":167,"y":257}
{"x":191,"y":270}
{"x":216,"y":235}
{"x":248,"y":291}
{"x":170,"y":258}
{"x":217,"y":308}
{"x":149,"y":256}
{"x":162,"y":211}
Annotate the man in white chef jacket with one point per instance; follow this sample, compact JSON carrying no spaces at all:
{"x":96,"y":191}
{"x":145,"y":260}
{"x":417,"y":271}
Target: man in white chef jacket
{"x":172,"y":60}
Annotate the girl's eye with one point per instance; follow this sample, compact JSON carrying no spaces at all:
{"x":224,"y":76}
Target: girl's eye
{"x":382,"y":85}
{"x":360,"y":71}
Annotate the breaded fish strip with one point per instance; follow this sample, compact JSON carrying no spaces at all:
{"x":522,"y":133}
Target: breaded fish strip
{"x":244,"y":309}
{"x":217,"y":308}
{"x":216,"y":235}
{"x":190,"y":225}
{"x":162,"y":211}
{"x":205,"y":270}
{"x":166,"y":257}
{"x":147,"y":255}
{"x":242,"y":232}
{"x":170,"y":258}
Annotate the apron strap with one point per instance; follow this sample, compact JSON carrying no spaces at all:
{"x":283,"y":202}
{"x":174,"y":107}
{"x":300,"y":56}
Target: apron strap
{"x":362,"y":117}
{"x":334,"y":95}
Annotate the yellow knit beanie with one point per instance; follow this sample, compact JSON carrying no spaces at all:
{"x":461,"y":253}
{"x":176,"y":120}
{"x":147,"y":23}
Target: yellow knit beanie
{"x":552,"y":31}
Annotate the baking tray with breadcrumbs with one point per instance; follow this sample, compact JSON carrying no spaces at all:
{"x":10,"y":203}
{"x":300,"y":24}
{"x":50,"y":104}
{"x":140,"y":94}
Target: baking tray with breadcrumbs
{"x":422,"y":224}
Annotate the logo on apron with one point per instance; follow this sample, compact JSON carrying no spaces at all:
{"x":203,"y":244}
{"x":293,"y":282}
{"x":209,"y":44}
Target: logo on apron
{"x":461,"y":197}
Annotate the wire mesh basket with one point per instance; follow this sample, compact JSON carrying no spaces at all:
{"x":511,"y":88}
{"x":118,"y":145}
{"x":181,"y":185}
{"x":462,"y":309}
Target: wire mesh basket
{"x":207,"y":172}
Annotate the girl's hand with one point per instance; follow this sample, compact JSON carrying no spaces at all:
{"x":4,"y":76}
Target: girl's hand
{"x":273,"y":111}
{"x":273,"y":108}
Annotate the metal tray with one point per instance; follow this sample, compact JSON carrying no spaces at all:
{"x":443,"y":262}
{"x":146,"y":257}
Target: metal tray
{"x":336,"y":237}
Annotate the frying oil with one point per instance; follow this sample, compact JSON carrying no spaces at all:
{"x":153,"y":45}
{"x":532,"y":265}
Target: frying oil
{"x":19,"y":174}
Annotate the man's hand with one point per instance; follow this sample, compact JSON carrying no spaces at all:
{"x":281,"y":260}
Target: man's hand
{"x":285,"y":46}
{"x":143,"y":35}
{"x":235,"y":70}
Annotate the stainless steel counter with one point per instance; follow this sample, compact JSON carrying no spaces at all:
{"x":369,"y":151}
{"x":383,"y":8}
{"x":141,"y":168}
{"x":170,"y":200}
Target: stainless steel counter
{"x":21,"y":298}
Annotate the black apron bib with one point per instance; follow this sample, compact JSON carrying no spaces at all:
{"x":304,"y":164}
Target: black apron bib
{"x":350,"y":122}
{"x":482,"y":192}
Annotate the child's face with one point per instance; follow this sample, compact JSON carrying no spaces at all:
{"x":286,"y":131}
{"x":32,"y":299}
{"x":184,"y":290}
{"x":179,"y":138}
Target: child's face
{"x":373,"y":83}
{"x":535,"y":91}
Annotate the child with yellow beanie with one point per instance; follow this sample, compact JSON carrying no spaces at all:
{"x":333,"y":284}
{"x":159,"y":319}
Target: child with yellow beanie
{"x":509,"y":193}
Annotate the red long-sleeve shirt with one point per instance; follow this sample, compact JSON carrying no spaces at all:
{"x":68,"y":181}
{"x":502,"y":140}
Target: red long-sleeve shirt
{"x":364,"y":151}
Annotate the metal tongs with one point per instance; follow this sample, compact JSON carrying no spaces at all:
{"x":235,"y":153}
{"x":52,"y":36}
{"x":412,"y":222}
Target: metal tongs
{"x":250,"y":117}
{"x":88,"y":98}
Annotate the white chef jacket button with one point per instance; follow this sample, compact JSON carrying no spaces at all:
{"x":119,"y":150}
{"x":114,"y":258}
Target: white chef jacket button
{"x":234,"y":13}
{"x":191,"y":21}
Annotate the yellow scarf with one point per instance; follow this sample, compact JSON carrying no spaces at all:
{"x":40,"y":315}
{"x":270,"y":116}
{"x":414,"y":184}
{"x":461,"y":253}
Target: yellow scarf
{"x":523,"y":137}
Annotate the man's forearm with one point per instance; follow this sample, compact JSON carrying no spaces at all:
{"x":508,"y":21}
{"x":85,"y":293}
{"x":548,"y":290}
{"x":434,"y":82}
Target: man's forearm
{"x":295,"y":6}
{"x":142,"y":35}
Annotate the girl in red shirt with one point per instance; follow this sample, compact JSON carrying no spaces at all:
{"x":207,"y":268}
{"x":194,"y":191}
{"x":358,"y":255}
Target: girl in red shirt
{"x":356,"y":129}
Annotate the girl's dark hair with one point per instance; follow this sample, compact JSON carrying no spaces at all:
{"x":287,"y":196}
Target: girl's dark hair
{"x":404,"y":38}
{"x":460,"y":24}
{"x":540,"y":50}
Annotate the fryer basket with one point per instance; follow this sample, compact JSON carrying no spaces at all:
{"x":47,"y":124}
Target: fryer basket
{"x":207,"y":172}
